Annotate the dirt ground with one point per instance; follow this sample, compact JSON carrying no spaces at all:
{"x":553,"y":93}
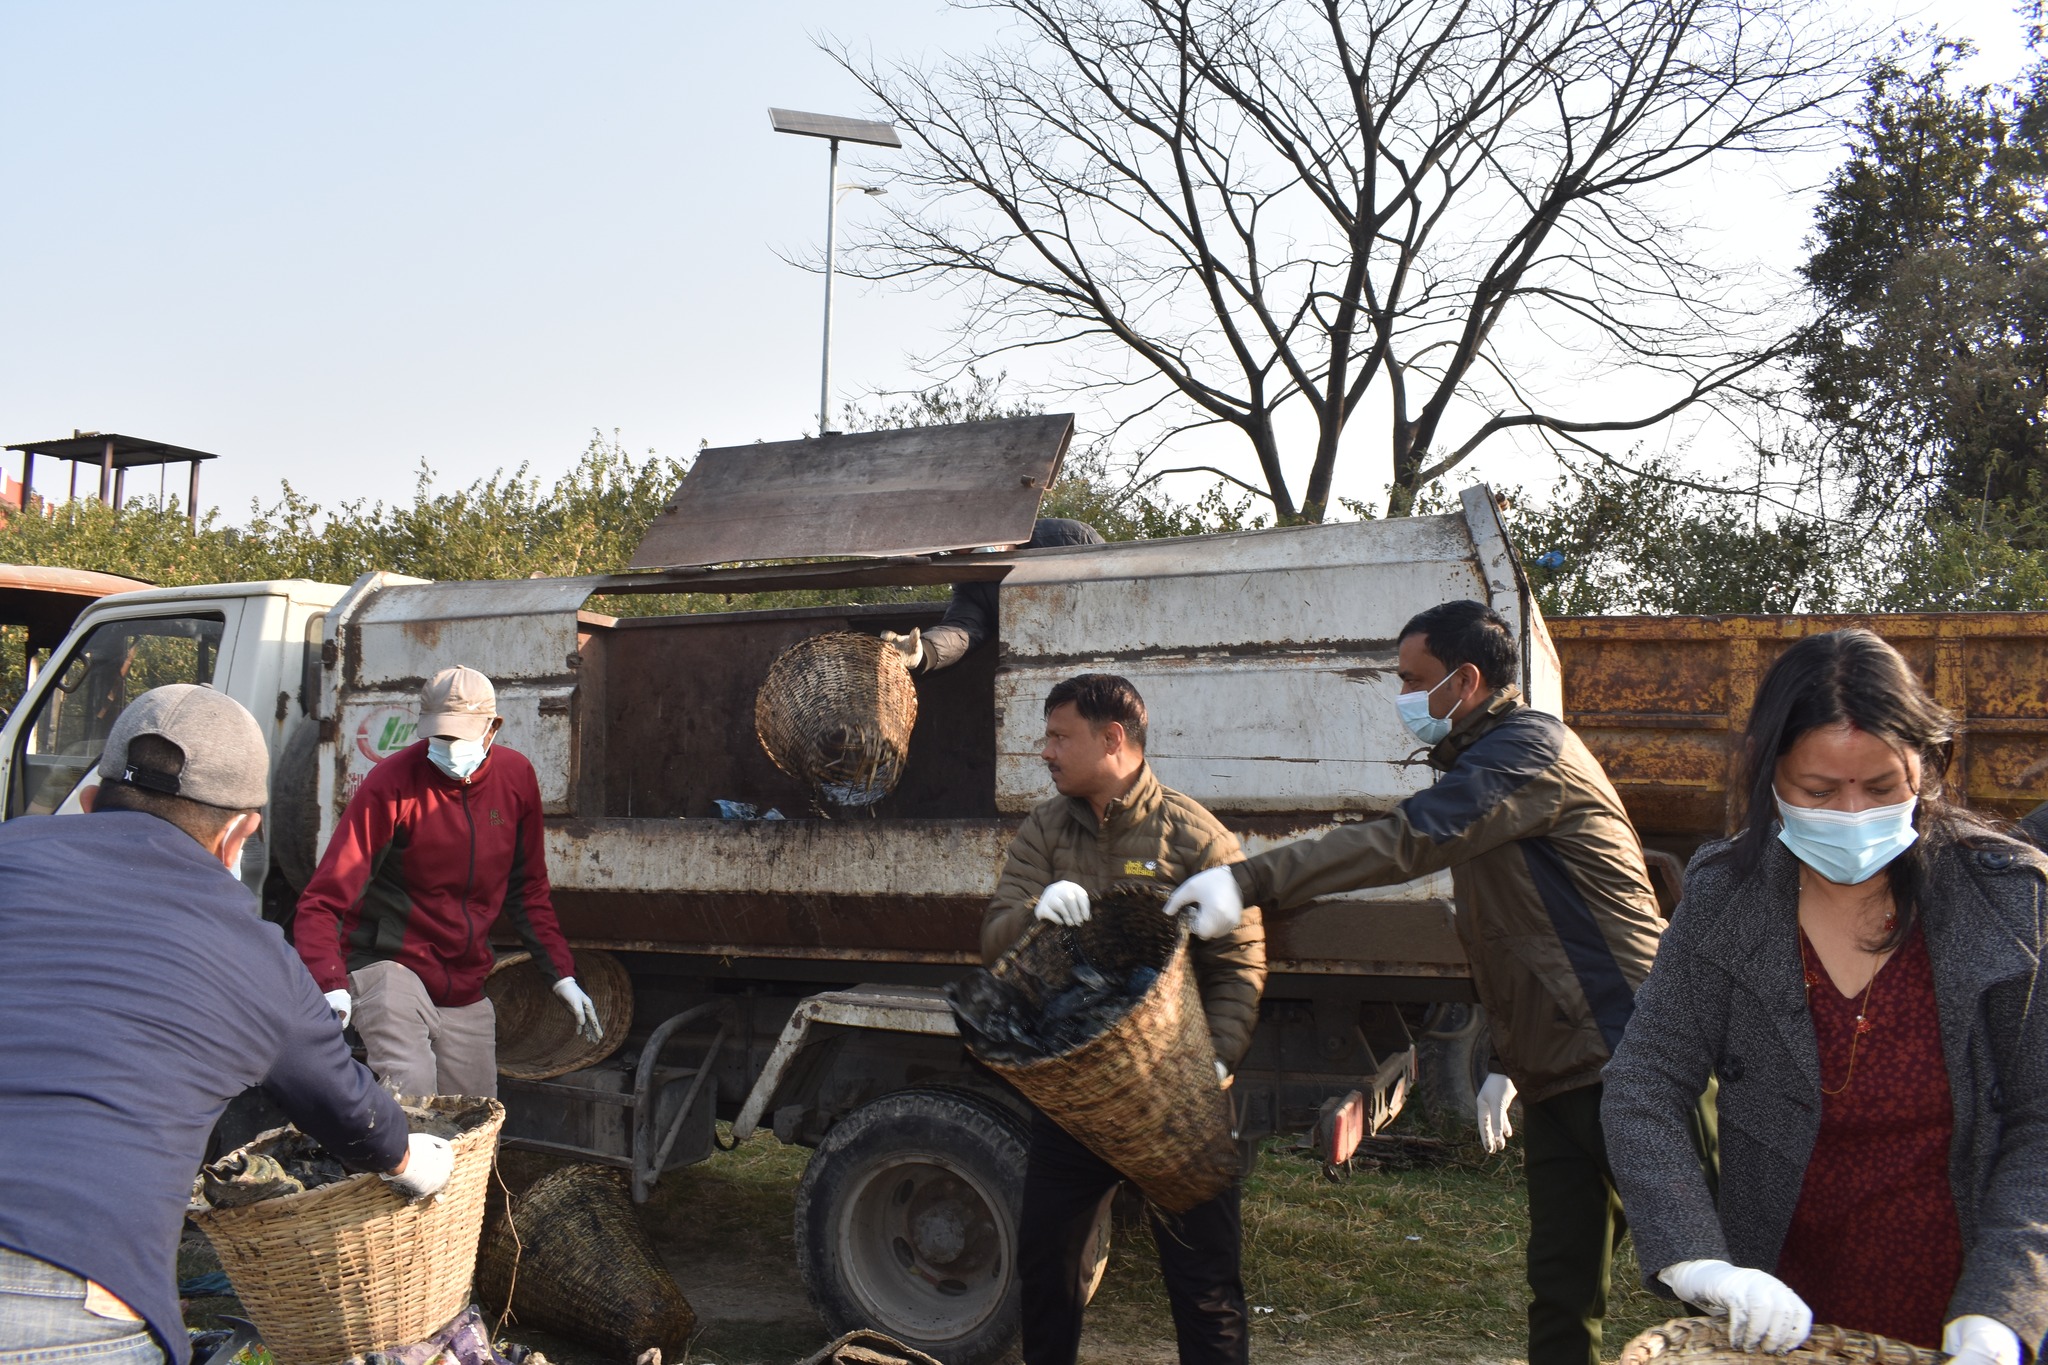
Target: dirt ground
{"x":1394,"y":1266}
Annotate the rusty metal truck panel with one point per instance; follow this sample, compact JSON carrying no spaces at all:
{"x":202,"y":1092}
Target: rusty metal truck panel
{"x":1662,"y":702}
{"x":906,"y":891}
{"x":1266,"y":658}
{"x":862,"y":493}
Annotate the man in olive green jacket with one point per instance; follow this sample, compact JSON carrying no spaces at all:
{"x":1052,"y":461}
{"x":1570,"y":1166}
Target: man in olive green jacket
{"x":1114,"y":822}
{"x":1556,"y":915}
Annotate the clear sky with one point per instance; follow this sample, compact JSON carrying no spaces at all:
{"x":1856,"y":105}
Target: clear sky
{"x":330,"y":242}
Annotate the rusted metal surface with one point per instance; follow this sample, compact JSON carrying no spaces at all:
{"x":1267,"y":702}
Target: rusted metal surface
{"x":48,"y":600}
{"x":862,"y":493}
{"x":1266,"y":658}
{"x":1662,"y":702}
{"x":899,"y":1009}
{"x":905,"y":891}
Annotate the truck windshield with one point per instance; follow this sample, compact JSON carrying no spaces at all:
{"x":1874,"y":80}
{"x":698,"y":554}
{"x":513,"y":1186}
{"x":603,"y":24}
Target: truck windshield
{"x":62,"y":738}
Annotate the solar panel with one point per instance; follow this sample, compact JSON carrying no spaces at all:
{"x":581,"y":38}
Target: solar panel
{"x":826,"y":125}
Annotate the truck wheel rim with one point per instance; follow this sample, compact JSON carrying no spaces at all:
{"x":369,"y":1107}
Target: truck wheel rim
{"x":925,"y":1247}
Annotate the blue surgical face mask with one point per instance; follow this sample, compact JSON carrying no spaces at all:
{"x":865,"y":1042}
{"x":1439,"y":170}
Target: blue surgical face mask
{"x":459,"y":758}
{"x":1848,"y":846}
{"x":1414,"y":709}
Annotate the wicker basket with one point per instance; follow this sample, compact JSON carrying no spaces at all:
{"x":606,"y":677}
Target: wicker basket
{"x":537,"y":1037}
{"x":573,"y":1260}
{"x":836,"y":712}
{"x":1706,"y":1339}
{"x":1142,"y":1095}
{"x":351,"y":1267}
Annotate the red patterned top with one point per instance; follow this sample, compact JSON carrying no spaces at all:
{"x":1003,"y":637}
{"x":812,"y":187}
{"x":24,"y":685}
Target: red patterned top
{"x":1874,"y":1243}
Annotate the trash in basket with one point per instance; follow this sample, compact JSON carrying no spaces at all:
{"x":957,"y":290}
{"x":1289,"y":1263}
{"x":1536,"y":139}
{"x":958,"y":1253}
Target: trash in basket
{"x":351,"y":1267}
{"x":1141,"y":1092}
{"x":835,"y":712}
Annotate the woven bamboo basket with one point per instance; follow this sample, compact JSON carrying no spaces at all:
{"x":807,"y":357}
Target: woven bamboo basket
{"x":537,"y":1037}
{"x":1142,"y":1095}
{"x":1706,"y":1339}
{"x":573,"y":1260}
{"x":351,"y":1267}
{"x":835,"y":712}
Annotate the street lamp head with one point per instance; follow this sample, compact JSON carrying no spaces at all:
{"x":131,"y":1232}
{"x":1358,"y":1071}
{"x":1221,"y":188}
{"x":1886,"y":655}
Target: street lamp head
{"x":835,"y":128}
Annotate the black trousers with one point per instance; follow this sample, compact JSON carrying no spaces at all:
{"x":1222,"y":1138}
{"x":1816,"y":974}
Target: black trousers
{"x":1575,"y":1219}
{"x":1575,"y":1224}
{"x":1065,"y":1188}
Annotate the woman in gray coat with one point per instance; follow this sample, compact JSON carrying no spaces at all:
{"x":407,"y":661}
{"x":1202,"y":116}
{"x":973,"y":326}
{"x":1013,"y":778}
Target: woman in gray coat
{"x":1861,"y":967}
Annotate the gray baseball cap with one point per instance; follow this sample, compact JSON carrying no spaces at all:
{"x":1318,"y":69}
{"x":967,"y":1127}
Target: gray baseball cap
{"x":227,"y":763}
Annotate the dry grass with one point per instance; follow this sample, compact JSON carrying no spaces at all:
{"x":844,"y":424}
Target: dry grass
{"x":1384,"y":1268}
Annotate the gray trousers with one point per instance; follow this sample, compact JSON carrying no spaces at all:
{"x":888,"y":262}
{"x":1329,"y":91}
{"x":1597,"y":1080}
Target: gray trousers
{"x":418,"y":1046}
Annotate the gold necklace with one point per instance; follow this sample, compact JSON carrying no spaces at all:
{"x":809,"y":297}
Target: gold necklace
{"x":1864,"y":1021}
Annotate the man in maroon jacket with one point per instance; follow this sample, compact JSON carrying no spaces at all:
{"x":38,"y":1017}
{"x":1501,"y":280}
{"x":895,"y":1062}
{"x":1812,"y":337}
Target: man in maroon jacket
{"x":440,"y":840}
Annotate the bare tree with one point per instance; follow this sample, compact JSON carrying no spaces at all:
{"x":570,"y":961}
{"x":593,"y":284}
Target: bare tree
{"x":1218,"y":208}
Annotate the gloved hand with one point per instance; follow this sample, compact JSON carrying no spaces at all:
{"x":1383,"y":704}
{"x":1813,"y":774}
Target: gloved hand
{"x":587,"y":1022}
{"x":1222,"y":1075}
{"x":1763,"y":1312}
{"x":1977,"y":1340}
{"x":1495,"y":1095}
{"x":1218,"y":907}
{"x":341,"y":1003}
{"x":1064,"y":903}
{"x":429,"y":1161}
{"x":910,"y":646}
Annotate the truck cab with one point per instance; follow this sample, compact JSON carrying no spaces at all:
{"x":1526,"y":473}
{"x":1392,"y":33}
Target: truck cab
{"x":258,"y":642}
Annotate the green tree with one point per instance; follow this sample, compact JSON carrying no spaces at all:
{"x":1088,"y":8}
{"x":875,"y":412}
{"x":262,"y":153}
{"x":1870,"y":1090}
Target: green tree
{"x":1928,"y":369}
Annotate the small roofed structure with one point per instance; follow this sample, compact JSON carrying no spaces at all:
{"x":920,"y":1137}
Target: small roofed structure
{"x":115,"y":455}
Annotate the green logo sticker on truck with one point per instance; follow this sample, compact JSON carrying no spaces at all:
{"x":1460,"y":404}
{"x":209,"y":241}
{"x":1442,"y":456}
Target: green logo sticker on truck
{"x":384,"y":732}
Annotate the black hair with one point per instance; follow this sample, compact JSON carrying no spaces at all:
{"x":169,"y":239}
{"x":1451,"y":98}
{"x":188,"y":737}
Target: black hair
{"x":152,"y":758}
{"x":1100,"y":698}
{"x":1467,"y":632}
{"x":1851,"y":677}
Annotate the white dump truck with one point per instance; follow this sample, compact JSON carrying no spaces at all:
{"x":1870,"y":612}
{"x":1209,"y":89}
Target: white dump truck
{"x":787,"y":973}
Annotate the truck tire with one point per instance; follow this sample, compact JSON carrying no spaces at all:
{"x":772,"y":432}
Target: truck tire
{"x":294,"y":824}
{"x":906,"y":1222}
{"x":1453,"y":1055}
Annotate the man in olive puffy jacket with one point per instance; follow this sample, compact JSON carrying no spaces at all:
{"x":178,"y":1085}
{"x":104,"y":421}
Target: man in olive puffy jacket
{"x":1556,"y":915}
{"x":1114,"y":822}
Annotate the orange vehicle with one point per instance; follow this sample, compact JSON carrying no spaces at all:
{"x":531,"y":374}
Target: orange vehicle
{"x":1662,"y":701}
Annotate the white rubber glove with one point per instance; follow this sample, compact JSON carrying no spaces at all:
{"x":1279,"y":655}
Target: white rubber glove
{"x":910,"y":646}
{"x":1977,"y":1340}
{"x":429,"y":1161}
{"x":580,"y":1005}
{"x":341,"y":1004}
{"x":1219,"y":908}
{"x":1064,"y":903}
{"x":1495,"y":1095}
{"x":1763,"y":1313}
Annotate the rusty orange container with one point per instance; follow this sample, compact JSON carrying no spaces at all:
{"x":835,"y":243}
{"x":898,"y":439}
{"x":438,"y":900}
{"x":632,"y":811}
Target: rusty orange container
{"x":1662,"y":702}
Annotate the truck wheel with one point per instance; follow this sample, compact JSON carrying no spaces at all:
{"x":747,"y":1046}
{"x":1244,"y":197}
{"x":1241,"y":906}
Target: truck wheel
{"x":906,"y":1222}
{"x":1453,"y":1055}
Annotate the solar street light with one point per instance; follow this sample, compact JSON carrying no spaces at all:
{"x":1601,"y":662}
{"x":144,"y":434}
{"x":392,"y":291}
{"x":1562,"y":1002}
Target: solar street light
{"x":835,"y":130}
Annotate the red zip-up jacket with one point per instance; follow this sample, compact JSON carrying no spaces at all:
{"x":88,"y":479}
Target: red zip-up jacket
{"x":419,"y":870}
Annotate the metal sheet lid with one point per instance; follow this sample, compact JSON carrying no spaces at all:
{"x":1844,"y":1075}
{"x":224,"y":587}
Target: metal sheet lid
{"x":922,"y":490}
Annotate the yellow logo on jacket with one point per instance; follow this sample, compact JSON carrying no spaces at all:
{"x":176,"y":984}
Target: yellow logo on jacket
{"x":1135,"y":868}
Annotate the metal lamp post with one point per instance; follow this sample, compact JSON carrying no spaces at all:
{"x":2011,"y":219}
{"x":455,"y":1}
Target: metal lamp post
{"x":834,"y":130}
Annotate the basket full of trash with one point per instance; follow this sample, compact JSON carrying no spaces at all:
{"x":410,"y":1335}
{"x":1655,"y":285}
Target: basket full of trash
{"x":1101,"y":1026}
{"x":835,"y":712}
{"x":1705,"y":1342}
{"x":330,"y":1264}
